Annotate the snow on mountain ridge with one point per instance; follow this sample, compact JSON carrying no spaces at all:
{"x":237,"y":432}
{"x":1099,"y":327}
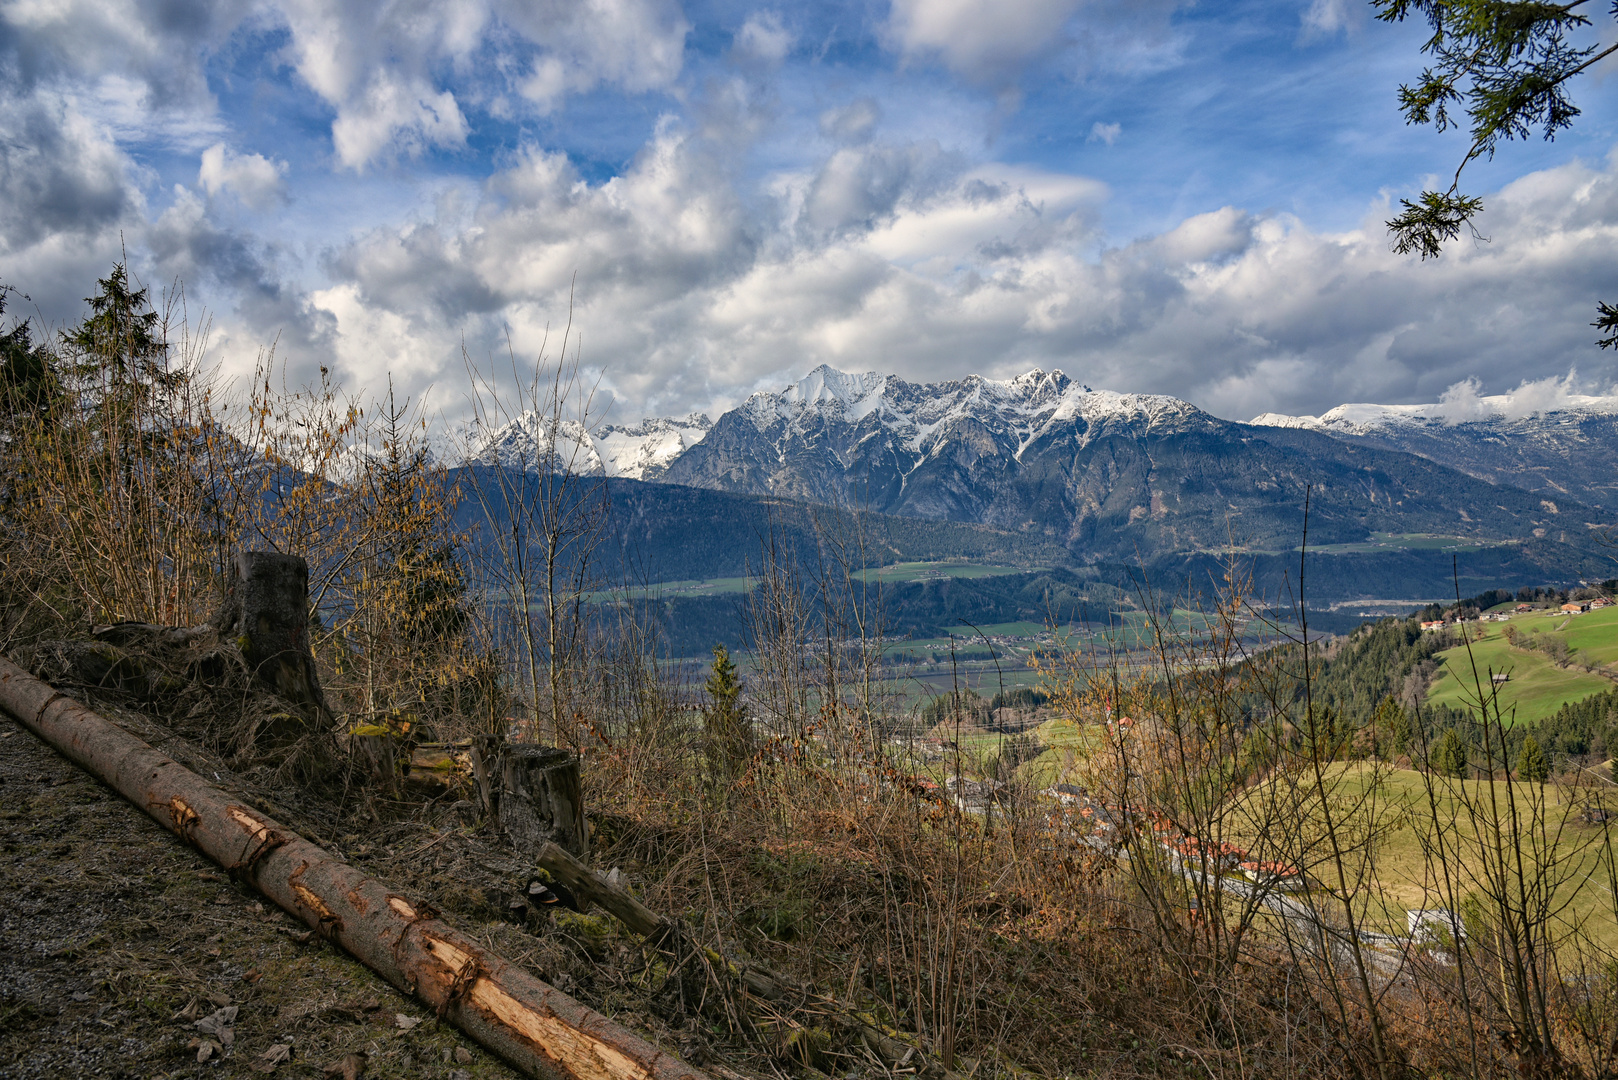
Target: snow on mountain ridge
{"x":1033,"y":399}
{"x":536,"y":441}
{"x":1363,"y":418}
{"x":643,"y":451}
{"x":921,"y":416}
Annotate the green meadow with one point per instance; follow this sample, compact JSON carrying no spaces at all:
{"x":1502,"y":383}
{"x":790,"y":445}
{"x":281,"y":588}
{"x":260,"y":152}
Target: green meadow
{"x":1538,"y":684}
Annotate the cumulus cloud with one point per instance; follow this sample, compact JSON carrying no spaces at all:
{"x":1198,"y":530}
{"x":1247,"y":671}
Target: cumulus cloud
{"x":254,"y":179}
{"x":899,"y":258}
{"x":396,"y":77}
{"x":61,"y":177}
{"x":695,"y":282}
{"x":161,"y":46}
{"x":1466,"y":400}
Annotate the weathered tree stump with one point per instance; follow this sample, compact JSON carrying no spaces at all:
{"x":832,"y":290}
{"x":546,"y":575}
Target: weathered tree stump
{"x":378,"y":755}
{"x":486,"y":773}
{"x":266,"y":616}
{"x":541,"y":799}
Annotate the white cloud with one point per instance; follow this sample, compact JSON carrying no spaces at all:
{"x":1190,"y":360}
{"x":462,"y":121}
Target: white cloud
{"x":763,"y":37}
{"x":898,"y":257}
{"x":62,"y":178}
{"x":995,"y":41}
{"x":853,"y":123}
{"x":1107,"y":133}
{"x":1324,"y":18}
{"x":634,"y":45}
{"x":254,"y":179}
{"x":394,"y":75}
{"x":1466,"y":400}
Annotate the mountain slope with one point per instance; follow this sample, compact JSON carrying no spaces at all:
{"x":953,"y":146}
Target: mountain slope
{"x":1569,"y":451}
{"x":1104,"y":474}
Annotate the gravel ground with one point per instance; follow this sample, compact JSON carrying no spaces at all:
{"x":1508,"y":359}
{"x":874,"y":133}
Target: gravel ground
{"x":116,"y":939}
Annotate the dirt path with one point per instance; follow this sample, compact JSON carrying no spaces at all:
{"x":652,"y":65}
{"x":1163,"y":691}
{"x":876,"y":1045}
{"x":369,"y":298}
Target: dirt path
{"x":115,"y":939}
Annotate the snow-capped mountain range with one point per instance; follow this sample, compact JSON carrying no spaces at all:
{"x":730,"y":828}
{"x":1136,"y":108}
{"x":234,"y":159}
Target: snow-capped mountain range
{"x":919,"y":415}
{"x":1562,"y":445}
{"x":1099,"y":471}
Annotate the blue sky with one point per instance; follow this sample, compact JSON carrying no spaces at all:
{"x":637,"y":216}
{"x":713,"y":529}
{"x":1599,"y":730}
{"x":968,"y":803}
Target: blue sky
{"x":1158,"y":196}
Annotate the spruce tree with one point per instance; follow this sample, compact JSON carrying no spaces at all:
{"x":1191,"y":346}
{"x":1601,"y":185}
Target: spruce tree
{"x":1531,"y":763}
{"x":1392,"y":729}
{"x":28,"y":380}
{"x":1449,"y":756}
{"x":1503,"y":69}
{"x":729,"y":738}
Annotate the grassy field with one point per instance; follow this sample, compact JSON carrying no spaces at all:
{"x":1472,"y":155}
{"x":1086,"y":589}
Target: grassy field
{"x":1406,"y":882}
{"x":1538,"y":686}
{"x":1383,"y":541}
{"x":911,"y":571}
{"x":691,"y":587}
{"x":916,"y":571}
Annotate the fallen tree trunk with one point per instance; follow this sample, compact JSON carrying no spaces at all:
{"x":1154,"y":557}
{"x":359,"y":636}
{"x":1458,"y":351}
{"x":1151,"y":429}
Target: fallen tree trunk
{"x":536,"y":1027}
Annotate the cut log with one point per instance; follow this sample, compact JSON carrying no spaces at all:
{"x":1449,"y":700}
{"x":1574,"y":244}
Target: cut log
{"x":541,"y":799}
{"x":438,"y":764}
{"x":266,"y":616}
{"x":537,"y":1028}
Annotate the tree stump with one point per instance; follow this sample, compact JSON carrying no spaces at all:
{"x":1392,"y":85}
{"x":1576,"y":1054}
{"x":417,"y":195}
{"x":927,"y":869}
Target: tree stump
{"x":378,"y":755}
{"x":541,"y":799}
{"x":266,"y":615}
{"x":486,"y":773}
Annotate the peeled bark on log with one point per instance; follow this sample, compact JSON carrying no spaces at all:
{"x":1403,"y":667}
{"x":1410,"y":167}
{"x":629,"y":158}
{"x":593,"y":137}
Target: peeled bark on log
{"x":542,"y":799}
{"x":537,"y":1028}
{"x":266,"y":615}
